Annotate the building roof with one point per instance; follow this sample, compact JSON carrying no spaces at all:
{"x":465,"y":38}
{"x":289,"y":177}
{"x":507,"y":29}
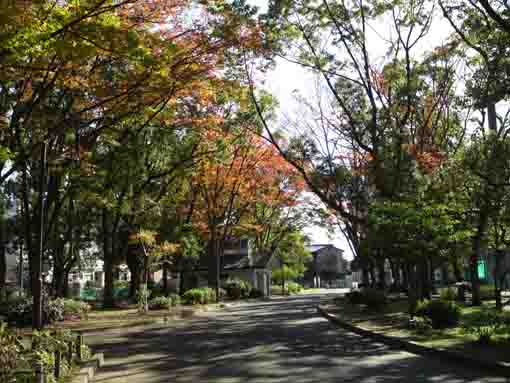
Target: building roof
{"x":243,"y":261}
{"x":238,"y":262}
{"x":316,"y":247}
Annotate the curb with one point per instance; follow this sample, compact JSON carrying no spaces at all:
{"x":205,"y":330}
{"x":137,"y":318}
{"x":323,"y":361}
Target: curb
{"x":184,"y":314}
{"x":500,"y":368}
{"x":88,"y":369}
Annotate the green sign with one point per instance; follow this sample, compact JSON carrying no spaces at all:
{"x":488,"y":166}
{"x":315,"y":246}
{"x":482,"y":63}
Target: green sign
{"x":482,"y":270}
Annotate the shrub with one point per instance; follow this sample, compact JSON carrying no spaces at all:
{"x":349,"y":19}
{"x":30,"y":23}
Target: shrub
{"x":256,"y":293}
{"x":421,"y":325}
{"x":448,"y":294}
{"x":175,"y":299}
{"x":486,"y":324}
{"x":199,"y":296}
{"x":487,"y":292}
{"x":160,"y":303}
{"x":54,"y":310}
{"x":10,"y":353}
{"x":293,"y":287}
{"x":373,"y":298}
{"x":19,"y":311}
{"x":354,"y":297}
{"x":74,"y":308}
{"x":237,"y":289}
{"x":442,"y":314}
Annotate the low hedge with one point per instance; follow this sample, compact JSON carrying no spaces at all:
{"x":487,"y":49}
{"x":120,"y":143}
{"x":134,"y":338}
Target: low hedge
{"x":442,"y":314}
{"x":199,"y":296}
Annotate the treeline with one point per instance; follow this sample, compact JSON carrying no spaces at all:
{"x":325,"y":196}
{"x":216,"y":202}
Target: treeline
{"x":128,"y":135}
{"x":406,"y":137}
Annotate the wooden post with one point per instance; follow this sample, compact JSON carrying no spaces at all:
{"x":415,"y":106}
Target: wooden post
{"x":70,"y":351}
{"x":58,"y":362}
{"x":79,"y":342}
{"x":39,"y":372}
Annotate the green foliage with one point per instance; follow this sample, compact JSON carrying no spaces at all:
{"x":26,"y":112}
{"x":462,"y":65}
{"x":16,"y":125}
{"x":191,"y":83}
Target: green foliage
{"x":293,"y":255}
{"x":75,"y":309}
{"x":448,"y":294}
{"x":442,"y":314}
{"x":421,"y":325}
{"x":293,"y":288}
{"x":373,"y":298}
{"x":485,"y":324}
{"x":354,"y":297}
{"x":160,"y":303}
{"x":142,"y":298}
{"x":164,"y":303}
{"x":199,"y":296}
{"x":256,"y":293}
{"x":10,"y":354}
{"x":237,"y":288}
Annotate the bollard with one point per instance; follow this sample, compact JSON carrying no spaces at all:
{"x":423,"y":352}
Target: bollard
{"x":79,"y":342}
{"x":58,"y":362}
{"x":70,"y":351}
{"x":39,"y":372}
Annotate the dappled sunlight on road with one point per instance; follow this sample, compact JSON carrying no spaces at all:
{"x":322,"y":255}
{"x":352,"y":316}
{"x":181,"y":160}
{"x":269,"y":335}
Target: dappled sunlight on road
{"x":282,"y":340}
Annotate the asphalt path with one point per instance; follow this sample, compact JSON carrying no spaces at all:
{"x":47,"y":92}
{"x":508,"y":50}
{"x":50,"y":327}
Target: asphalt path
{"x":280,"y":340}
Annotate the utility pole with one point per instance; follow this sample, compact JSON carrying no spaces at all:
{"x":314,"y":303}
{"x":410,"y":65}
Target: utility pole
{"x":37,"y":309}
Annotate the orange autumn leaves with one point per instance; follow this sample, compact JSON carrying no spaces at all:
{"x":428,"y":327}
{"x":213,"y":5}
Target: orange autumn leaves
{"x":248,"y":172}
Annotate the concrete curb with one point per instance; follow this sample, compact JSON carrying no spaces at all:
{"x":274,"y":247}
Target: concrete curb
{"x":500,"y":368}
{"x":88,"y":369}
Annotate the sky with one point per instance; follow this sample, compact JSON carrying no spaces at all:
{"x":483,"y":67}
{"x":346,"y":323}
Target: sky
{"x":288,"y":78}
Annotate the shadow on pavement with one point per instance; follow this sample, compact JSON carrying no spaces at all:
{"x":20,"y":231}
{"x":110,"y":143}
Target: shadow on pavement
{"x":283,"y":340}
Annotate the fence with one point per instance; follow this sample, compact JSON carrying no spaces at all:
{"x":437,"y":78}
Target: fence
{"x":38,"y":375}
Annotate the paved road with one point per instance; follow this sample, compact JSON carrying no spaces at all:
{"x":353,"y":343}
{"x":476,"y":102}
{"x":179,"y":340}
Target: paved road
{"x":282,"y":340}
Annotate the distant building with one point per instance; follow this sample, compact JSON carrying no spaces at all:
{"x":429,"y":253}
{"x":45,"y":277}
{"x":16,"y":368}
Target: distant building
{"x":239,"y":261}
{"x":327,"y":268}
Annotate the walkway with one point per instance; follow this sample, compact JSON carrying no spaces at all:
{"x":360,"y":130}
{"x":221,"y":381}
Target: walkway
{"x":282,"y":340}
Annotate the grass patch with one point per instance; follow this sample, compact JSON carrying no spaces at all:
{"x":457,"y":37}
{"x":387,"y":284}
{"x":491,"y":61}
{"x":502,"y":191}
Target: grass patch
{"x":393,"y":320}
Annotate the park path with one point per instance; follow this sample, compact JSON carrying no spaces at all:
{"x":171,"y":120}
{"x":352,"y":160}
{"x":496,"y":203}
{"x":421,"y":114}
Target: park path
{"x":281,"y":340}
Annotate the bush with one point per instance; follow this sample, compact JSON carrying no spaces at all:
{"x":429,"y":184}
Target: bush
{"x":256,"y":293}
{"x":160,"y":303}
{"x":487,"y":292}
{"x":199,"y":296}
{"x":10,"y":353}
{"x":486,"y":324}
{"x":448,"y":294}
{"x":175,"y":299}
{"x":54,"y":310}
{"x":354,"y":297}
{"x":75,"y":309}
{"x":373,"y":298}
{"x":442,"y":314}
{"x":237,"y":289}
{"x":421,"y":325}
{"x":293,"y":287}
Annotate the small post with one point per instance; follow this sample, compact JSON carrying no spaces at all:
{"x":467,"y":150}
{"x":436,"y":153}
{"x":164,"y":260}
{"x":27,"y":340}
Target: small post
{"x":58,"y":362}
{"x":70,"y":351}
{"x":39,"y":372}
{"x":79,"y":342}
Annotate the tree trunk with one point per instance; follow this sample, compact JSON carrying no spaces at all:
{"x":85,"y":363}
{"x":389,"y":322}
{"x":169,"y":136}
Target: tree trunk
{"x":381,"y":274}
{"x":165,"y":278}
{"x":108,"y":266}
{"x":425,"y":279}
{"x":497,"y":283}
{"x":412,"y":288}
{"x":372,"y":275}
{"x":3,"y":261}
{"x":477,"y":249}
{"x":456,"y":271}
